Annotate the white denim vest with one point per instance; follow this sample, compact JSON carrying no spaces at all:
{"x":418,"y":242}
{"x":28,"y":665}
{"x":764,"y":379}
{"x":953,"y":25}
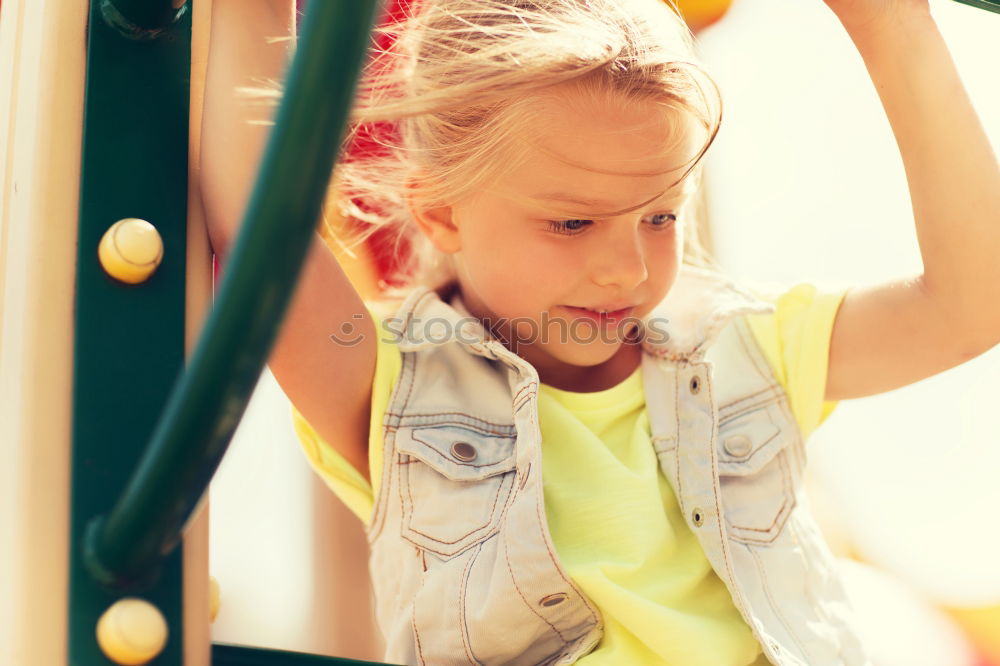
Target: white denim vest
{"x":463,"y":567}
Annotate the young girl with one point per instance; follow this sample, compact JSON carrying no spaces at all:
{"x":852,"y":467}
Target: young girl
{"x":574,"y":439}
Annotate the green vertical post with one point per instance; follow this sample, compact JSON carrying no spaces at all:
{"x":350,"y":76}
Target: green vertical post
{"x":203,"y":411}
{"x":128,"y":339}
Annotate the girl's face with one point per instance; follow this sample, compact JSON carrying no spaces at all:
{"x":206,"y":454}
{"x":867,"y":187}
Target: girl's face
{"x":562,"y":256}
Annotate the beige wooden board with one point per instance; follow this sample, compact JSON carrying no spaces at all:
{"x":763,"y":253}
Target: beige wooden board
{"x":41,"y":74}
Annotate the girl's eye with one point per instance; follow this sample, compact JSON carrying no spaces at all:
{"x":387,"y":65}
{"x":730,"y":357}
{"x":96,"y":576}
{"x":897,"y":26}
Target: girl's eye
{"x":568,"y":227}
{"x":661,"y":220}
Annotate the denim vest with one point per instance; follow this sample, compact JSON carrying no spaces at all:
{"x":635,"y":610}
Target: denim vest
{"x":463,"y":567}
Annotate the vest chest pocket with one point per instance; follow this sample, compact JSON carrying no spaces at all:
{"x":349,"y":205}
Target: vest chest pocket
{"x":454,"y":485}
{"x":756,"y":471}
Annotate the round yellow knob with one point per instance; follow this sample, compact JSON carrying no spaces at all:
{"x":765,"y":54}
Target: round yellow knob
{"x":132,"y":632}
{"x":213,"y":591}
{"x":130,"y":250}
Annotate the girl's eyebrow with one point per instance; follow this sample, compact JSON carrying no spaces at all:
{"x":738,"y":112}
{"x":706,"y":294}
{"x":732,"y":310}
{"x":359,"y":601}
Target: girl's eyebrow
{"x":592,"y":204}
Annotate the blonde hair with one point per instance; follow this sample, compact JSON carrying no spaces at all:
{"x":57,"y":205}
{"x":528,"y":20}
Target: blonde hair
{"x":440,"y":106}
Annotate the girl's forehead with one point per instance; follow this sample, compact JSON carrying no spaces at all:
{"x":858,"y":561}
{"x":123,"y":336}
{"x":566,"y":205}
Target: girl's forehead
{"x":640,"y":135}
{"x":606,"y":153}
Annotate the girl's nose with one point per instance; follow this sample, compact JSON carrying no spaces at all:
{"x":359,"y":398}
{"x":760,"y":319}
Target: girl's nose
{"x":620,"y":260}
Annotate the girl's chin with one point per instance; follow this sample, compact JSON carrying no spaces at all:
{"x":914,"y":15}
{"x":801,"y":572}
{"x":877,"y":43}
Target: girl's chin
{"x":580,"y":355}
{"x":575,"y":343}
{"x":586,"y":370}
{"x":592,"y":354}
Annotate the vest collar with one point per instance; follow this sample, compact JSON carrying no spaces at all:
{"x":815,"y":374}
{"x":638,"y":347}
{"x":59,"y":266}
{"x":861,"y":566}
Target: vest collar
{"x":681,"y":328}
{"x":700,"y":304}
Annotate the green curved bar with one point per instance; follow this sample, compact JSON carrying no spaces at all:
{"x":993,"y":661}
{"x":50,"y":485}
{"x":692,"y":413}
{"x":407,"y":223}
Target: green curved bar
{"x":224,"y":654}
{"x":990,"y":5}
{"x":123,"y":548}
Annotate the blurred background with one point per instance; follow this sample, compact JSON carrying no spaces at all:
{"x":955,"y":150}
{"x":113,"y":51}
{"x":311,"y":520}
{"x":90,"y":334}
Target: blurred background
{"x":804,"y":183}
{"x":806,"y":162}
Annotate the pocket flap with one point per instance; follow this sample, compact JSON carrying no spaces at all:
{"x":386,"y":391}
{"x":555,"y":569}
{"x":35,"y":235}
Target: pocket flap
{"x":752,"y":438}
{"x":458,"y":452}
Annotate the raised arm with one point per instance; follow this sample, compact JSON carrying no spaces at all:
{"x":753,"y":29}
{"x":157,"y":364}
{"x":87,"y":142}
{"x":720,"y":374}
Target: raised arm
{"x":890,"y":335}
{"x":329,"y":384}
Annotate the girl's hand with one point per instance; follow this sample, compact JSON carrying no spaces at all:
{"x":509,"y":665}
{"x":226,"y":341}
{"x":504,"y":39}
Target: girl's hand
{"x":876,"y":14}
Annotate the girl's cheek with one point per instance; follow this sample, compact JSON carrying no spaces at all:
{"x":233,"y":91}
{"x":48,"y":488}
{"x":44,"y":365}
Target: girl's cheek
{"x":525,"y":280}
{"x":538,"y":254}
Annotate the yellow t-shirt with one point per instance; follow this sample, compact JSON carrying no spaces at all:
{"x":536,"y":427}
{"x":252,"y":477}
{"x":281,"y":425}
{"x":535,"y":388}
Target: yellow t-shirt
{"x":613,"y":518}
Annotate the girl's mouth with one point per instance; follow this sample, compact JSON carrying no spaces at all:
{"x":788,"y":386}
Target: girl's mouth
{"x":605,"y":317}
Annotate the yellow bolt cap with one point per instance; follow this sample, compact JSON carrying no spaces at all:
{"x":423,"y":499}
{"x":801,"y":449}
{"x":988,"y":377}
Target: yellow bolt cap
{"x":213,"y":589}
{"x":130,"y":250}
{"x":132,"y":632}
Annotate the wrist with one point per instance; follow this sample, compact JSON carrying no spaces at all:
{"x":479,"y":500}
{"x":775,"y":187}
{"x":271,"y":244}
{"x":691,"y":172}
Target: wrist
{"x":898,"y":28}
{"x":882,"y":23}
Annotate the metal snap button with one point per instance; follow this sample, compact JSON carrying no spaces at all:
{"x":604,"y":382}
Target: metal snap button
{"x":553,"y":599}
{"x":698,"y":517}
{"x":463,"y":451}
{"x":738,"y":446}
{"x":695,"y":384}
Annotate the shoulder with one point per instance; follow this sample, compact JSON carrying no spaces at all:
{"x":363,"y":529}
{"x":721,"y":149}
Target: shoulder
{"x":795,"y":339}
{"x":804,"y":312}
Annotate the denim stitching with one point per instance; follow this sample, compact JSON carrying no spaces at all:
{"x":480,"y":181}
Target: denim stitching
{"x":526,"y":400}
{"x":519,"y":392}
{"x":518,"y":403}
{"x":798,"y":443}
{"x":490,"y":525}
{"x":677,"y":460}
{"x":761,"y":446}
{"x":658,"y":439}
{"x":458,"y":419}
{"x":732,"y":583}
{"x":413,"y":622}
{"x":406,"y":375}
{"x":756,"y":353}
{"x":449,"y":459}
{"x":743,"y":410}
{"x":542,"y":522}
{"x":780,"y":517}
{"x":463,"y":629}
{"x":753,"y":350}
{"x":406,"y":507}
{"x":781,"y":510}
{"x":776,"y":608}
{"x":734,"y":409}
{"x":412,"y":380}
{"x":524,"y":599}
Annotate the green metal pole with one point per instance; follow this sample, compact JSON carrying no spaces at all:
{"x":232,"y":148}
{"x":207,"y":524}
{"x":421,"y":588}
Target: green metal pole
{"x":224,"y":654}
{"x":206,"y":405}
{"x":990,"y":5}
